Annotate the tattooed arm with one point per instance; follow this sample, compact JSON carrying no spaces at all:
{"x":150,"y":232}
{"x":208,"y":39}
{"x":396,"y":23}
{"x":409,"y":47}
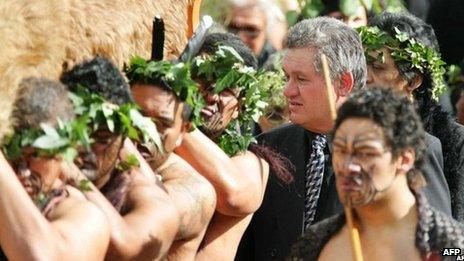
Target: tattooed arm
{"x":195,"y":200}
{"x":75,"y":229}
{"x":239,"y":181}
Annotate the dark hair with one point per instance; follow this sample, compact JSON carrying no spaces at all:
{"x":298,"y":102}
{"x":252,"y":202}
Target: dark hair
{"x":455,"y":95}
{"x":41,"y":100}
{"x":214,"y":40}
{"x":415,"y":29}
{"x":330,"y":6}
{"x":101,"y":76}
{"x":393,"y":112}
{"x":436,"y":121}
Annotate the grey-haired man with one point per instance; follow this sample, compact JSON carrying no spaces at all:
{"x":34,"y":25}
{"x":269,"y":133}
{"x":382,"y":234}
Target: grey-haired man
{"x":287,"y":211}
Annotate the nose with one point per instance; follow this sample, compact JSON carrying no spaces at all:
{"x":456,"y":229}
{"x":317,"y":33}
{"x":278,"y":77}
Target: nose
{"x":353,"y":167}
{"x":349,"y":165}
{"x":290,"y":89}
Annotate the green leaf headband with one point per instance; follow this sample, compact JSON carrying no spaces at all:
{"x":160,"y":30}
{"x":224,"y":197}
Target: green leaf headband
{"x":126,"y":119}
{"x":48,"y":141}
{"x":175,"y":76}
{"x":93,"y":111}
{"x":408,"y":51}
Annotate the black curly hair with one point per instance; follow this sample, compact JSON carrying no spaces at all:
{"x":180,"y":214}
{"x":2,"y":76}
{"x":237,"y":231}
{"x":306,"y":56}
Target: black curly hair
{"x":101,"y":76}
{"x":436,"y":121}
{"x":214,"y":40}
{"x":401,"y":126}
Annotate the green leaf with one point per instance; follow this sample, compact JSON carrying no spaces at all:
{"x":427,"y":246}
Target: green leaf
{"x":147,"y":127}
{"x":349,"y":7}
{"x":84,"y":185}
{"x":312,"y":9}
{"x":49,"y":130}
{"x":49,"y":142}
{"x":69,"y":154}
{"x":132,"y":161}
{"x":291,"y":17}
{"x":367,"y":4}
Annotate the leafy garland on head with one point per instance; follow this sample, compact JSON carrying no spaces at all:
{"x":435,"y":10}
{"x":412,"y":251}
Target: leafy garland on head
{"x":93,"y":111}
{"x":175,"y":75}
{"x":407,"y":51}
{"x":49,"y":141}
{"x":226,"y":69}
{"x":125,"y":120}
{"x":65,"y":140}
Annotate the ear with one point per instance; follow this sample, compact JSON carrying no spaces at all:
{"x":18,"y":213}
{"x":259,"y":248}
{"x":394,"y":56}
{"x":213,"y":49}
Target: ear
{"x":414,"y":83}
{"x":406,"y":160}
{"x":186,"y":127}
{"x":235,"y":113}
{"x":345,"y":84}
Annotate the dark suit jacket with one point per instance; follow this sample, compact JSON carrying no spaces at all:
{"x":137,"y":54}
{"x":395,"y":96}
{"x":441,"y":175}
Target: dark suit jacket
{"x":279,"y":221}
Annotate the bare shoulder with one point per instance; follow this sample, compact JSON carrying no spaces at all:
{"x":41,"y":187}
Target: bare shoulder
{"x":337,"y":246}
{"x":177,"y":166}
{"x":146,"y":192}
{"x":75,"y":205}
{"x":75,"y":219}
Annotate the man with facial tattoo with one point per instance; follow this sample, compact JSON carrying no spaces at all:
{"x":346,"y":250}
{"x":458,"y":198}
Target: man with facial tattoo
{"x":288,"y":211}
{"x":142,"y":217}
{"x":192,"y":194}
{"x":58,"y":223}
{"x":378,"y":147}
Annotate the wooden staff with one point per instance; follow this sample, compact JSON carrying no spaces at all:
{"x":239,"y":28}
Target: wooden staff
{"x":329,"y":87}
{"x":193,"y":16}
{"x":353,"y":231}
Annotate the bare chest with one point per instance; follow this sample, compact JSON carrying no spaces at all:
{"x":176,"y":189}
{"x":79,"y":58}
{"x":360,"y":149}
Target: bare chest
{"x":382,"y":248}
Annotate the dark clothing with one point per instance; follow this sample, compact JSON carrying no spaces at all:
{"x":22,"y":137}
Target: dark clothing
{"x":447,"y":19}
{"x":457,"y":188}
{"x":419,"y":8}
{"x":279,"y":221}
{"x":434,"y":231}
{"x":267,"y":50}
{"x":2,"y":256}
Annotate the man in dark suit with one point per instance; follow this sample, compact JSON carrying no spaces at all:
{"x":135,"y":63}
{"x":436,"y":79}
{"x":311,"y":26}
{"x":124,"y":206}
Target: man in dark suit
{"x":288,"y":210}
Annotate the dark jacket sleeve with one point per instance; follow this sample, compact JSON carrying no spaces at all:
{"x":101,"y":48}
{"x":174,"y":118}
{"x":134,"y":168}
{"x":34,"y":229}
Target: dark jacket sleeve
{"x":436,"y":190}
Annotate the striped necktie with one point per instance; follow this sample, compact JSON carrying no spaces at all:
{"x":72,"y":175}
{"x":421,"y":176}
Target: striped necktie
{"x":314,"y":177}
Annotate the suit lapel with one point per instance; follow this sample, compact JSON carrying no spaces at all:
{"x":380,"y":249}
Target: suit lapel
{"x":288,"y":200}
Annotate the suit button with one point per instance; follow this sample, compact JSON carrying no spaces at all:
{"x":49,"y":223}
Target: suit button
{"x":273,"y":252}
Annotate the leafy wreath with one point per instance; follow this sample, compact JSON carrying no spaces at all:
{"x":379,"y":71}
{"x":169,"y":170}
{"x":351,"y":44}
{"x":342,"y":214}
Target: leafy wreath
{"x":227,"y":70}
{"x":126,"y":119}
{"x":48,"y":141}
{"x":175,"y":75}
{"x":405,"y":50}
{"x":93,"y":111}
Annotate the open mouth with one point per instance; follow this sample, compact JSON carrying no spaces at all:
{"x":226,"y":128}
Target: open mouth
{"x":353,"y":182}
{"x":295,"y":103}
{"x":209,"y":111}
